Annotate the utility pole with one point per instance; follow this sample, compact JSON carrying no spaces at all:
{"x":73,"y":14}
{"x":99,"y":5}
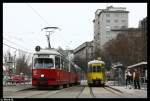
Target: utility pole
{"x":49,"y":32}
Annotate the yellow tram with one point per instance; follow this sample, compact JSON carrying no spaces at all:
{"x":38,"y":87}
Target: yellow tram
{"x":96,"y":73}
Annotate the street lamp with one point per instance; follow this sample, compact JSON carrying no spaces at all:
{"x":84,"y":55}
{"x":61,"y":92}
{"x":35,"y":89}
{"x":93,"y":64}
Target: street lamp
{"x":49,"y":32}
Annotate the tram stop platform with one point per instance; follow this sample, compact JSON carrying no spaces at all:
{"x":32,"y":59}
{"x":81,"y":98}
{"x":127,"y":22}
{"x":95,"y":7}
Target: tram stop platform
{"x":129,"y":90}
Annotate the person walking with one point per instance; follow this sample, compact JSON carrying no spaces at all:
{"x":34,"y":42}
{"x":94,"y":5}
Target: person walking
{"x":136,"y":78}
{"x":128,"y":76}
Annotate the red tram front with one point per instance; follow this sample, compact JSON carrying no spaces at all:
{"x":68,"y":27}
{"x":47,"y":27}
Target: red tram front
{"x":50,"y":68}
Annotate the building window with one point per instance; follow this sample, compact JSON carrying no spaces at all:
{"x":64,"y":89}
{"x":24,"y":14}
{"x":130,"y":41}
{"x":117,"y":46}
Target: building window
{"x":108,"y":21}
{"x":123,"y":20}
{"x":122,"y":14}
{"x":116,"y":27}
{"x":124,"y":26}
{"x":107,"y":32}
{"x":117,"y":14}
{"x":116,"y":21}
{"x":98,"y":22}
{"x":108,"y":28}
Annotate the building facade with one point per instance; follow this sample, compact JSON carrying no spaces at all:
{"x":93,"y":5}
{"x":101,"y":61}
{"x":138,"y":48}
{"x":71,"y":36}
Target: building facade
{"x":106,"y":20}
{"x":83,"y":54}
{"x":143,"y":24}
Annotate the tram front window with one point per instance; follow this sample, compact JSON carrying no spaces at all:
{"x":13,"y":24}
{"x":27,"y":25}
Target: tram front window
{"x":43,"y":63}
{"x":98,"y":69}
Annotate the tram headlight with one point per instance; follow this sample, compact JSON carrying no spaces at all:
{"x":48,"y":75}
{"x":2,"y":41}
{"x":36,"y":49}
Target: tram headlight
{"x":42,"y":75}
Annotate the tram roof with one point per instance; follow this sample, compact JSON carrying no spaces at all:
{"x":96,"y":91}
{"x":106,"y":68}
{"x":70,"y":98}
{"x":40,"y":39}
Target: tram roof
{"x":96,"y":61}
{"x":47,"y":51}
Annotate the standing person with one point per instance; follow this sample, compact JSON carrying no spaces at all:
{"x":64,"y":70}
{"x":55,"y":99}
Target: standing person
{"x":136,"y":78}
{"x":128,"y":76}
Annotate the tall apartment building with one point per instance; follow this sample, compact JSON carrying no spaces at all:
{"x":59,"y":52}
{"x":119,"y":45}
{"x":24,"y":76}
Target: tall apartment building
{"x":106,"y":20}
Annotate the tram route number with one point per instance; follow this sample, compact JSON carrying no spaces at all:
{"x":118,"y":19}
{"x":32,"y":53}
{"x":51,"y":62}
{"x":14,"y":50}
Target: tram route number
{"x":7,"y":99}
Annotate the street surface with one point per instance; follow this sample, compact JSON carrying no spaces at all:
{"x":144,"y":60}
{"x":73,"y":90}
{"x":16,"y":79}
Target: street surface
{"x":76,"y":91}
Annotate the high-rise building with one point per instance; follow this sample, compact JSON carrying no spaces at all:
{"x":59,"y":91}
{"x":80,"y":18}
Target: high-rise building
{"x":106,"y":20}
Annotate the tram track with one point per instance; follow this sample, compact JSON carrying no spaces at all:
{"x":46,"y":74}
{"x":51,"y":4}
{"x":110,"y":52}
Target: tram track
{"x":57,"y":93}
{"x":70,"y":92}
{"x":113,"y":91}
{"x":91,"y":93}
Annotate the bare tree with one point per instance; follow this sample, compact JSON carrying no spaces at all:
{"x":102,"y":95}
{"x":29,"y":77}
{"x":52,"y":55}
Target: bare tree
{"x":8,"y":62}
{"x":128,"y":48}
{"x":22,"y":64}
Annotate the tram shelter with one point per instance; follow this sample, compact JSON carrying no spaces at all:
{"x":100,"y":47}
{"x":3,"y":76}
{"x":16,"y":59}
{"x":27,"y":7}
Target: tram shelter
{"x":142,"y":68}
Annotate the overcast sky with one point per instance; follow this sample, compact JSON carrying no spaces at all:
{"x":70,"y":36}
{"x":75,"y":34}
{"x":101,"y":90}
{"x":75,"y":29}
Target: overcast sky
{"x":22,"y":23}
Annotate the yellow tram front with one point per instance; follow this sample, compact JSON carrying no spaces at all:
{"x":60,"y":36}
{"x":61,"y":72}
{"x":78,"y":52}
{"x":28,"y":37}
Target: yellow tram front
{"x":96,"y":73}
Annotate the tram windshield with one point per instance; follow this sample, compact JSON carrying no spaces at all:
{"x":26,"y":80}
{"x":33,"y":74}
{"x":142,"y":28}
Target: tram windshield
{"x":43,"y":63}
{"x":96,"y":69}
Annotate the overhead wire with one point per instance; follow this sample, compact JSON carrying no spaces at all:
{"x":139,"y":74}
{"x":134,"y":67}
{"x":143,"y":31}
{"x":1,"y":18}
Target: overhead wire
{"x":16,"y":48}
{"x":43,"y":19}
{"x":14,"y":43}
{"x":38,"y":14}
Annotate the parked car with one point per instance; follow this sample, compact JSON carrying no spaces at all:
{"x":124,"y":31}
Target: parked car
{"x":18,"y":79}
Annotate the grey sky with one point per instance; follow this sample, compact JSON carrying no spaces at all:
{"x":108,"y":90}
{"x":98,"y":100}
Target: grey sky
{"x":22,"y":25}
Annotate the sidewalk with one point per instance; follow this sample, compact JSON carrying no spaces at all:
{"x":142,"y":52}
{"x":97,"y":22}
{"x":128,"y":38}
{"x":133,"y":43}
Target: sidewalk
{"x":123,"y":88}
{"x":14,"y":88}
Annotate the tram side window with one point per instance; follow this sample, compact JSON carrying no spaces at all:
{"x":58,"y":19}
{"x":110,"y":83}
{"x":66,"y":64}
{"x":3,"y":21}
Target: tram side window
{"x":71,"y":68}
{"x":57,"y":62}
{"x":62,"y":64}
{"x":65,"y":66}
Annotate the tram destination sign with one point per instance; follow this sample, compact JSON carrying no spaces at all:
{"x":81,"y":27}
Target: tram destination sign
{"x":43,"y":55}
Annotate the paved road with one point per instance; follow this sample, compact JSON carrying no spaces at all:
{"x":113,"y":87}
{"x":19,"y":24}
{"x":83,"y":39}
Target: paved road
{"x":78,"y":91}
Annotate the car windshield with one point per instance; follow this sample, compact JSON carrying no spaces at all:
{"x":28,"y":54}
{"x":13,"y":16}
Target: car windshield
{"x":43,"y":63}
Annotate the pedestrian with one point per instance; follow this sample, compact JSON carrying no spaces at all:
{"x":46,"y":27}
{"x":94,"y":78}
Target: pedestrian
{"x":128,"y":76}
{"x":136,"y":78}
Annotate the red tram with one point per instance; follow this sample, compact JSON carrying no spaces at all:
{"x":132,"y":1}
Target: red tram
{"x":50,"y":68}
